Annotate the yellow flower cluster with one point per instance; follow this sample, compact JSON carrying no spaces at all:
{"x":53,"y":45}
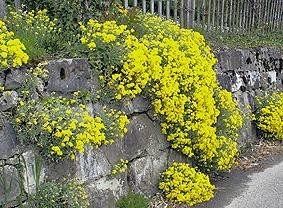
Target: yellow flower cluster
{"x":184,"y":185}
{"x":121,"y":167}
{"x":174,"y":67}
{"x":115,"y":122}
{"x":37,"y":22}
{"x":63,"y":127}
{"x":106,"y":32}
{"x":228,"y":124}
{"x":269,"y":117}
{"x":11,"y":50}
{"x":39,"y":71}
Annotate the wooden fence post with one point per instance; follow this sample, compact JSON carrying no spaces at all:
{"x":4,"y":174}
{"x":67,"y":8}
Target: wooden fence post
{"x":175,"y":10}
{"x":160,"y":8}
{"x":209,"y":14}
{"x":203,"y":13}
{"x":151,"y":6}
{"x":182,"y":8}
{"x":18,"y":5}
{"x":2,"y":8}
{"x":167,"y":9}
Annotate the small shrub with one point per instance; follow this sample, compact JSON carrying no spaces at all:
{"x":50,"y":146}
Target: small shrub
{"x":68,"y":194}
{"x":12,"y":50}
{"x":184,"y":185}
{"x":60,"y":127}
{"x":36,"y":30}
{"x":133,"y":200}
{"x":269,"y":116}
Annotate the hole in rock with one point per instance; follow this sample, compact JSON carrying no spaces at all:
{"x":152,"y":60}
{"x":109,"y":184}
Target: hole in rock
{"x":249,"y":61}
{"x":62,"y":73}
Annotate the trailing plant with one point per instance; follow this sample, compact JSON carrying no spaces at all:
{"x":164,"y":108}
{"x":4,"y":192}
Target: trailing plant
{"x":121,"y":167}
{"x":12,"y":50}
{"x":34,"y":80}
{"x":185,"y":185}
{"x":67,"y":194}
{"x":133,"y":200}
{"x":61,"y":127}
{"x":174,"y":67}
{"x":269,"y":115}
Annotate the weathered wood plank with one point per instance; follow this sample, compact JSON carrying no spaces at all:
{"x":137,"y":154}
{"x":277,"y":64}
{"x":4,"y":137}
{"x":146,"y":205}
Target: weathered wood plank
{"x":2,"y":8}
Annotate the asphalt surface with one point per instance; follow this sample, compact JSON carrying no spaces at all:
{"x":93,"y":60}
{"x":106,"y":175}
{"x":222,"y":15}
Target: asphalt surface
{"x":257,"y":188}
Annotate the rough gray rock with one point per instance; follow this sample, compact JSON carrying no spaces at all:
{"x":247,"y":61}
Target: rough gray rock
{"x":62,"y":169}
{"x":137,"y":105}
{"x":175,"y":156}
{"x":10,"y":187}
{"x":92,"y":165}
{"x":9,"y":143}
{"x":30,"y":160}
{"x":2,"y":78}
{"x":144,"y":137}
{"x":70,"y":75}
{"x":105,"y":191}
{"x":144,"y":173}
{"x":15,"y":79}
{"x":8,"y":100}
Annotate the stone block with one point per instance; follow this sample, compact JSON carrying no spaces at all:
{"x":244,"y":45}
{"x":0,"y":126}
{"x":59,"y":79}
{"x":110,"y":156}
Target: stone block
{"x":104,"y":192}
{"x":8,"y":140}
{"x":62,"y":169}
{"x":225,"y":81}
{"x":144,"y":137}
{"x":144,"y":173}
{"x":229,"y":60}
{"x":176,"y":156}
{"x":2,"y":78}
{"x":70,"y":75}
{"x":9,"y":184}
{"x":8,"y":100}
{"x":137,"y":105}
{"x":32,"y":164}
{"x":237,"y":82}
{"x":92,"y":165}
{"x":15,"y":79}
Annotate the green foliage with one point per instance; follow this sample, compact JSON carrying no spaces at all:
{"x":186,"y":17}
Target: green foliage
{"x":246,"y":40}
{"x":38,"y":32}
{"x":70,"y":13}
{"x":133,"y":200}
{"x":34,"y":77}
{"x":61,"y":127}
{"x":67,"y":194}
{"x":269,"y":115}
{"x":58,"y":126}
{"x":185,"y":185}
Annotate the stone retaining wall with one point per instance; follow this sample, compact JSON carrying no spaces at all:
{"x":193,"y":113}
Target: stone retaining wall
{"x":246,"y":73}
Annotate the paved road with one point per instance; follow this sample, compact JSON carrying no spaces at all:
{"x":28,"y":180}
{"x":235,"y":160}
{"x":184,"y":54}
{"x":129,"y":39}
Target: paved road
{"x":261,"y":189}
{"x":265,"y":190}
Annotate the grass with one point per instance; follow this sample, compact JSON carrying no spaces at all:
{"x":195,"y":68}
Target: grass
{"x":245,"y":40}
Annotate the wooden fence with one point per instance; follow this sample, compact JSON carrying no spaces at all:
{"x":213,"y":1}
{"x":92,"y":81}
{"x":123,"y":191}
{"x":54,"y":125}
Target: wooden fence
{"x":210,"y":15}
{"x":222,"y":15}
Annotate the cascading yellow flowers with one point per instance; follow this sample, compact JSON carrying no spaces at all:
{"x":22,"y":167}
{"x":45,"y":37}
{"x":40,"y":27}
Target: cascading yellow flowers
{"x":174,"y":67}
{"x":269,"y":116}
{"x":185,"y":185}
{"x":11,"y":50}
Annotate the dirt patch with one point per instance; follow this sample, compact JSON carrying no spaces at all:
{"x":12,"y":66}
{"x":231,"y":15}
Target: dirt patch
{"x":255,"y":153}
